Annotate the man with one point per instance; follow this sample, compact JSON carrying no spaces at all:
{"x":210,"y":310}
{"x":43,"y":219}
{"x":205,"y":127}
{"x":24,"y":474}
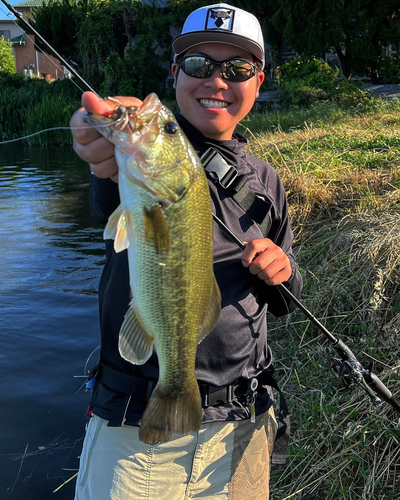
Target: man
{"x":217,"y":76}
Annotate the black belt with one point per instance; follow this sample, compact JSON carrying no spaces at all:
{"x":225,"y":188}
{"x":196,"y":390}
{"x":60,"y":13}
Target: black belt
{"x":129,"y":388}
{"x":140,"y":389}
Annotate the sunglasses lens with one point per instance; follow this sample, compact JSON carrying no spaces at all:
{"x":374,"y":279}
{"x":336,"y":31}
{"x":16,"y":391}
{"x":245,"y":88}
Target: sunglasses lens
{"x":198,"y":67}
{"x":234,"y":70}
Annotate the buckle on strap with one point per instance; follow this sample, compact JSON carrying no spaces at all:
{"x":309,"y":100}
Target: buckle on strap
{"x":218,"y":169}
{"x":210,"y":395}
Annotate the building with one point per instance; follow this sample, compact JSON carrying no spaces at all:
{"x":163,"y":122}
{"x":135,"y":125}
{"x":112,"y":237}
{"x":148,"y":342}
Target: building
{"x":27,"y":58}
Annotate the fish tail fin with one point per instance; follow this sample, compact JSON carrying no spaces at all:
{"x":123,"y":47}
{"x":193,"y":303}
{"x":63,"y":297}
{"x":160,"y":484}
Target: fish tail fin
{"x":169,"y":414}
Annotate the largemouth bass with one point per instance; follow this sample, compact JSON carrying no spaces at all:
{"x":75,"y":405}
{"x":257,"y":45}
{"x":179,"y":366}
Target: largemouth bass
{"x":165,"y":223}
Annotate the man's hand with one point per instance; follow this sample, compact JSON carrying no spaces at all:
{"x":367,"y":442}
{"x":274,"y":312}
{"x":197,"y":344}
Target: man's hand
{"x":89,"y":144}
{"x":268,"y":261}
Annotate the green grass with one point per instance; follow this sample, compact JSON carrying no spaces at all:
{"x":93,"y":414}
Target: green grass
{"x":341,"y":170}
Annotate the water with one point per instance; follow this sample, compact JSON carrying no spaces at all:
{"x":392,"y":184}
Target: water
{"x":51,"y":256}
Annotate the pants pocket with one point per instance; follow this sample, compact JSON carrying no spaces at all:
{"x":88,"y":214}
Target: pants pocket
{"x":92,"y":431}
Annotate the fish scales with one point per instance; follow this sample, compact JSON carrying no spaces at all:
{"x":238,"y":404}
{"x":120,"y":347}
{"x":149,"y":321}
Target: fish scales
{"x":165,"y":222}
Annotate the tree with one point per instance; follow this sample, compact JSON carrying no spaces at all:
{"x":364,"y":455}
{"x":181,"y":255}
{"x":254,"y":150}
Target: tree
{"x":123,"y":44}
{"x":178,"y":11}
{"x":358,"y":30}
{"x":113,"y":42}
{"x":272,"y":32}
{"x":59,"y":22}
{"x":7,"y":64}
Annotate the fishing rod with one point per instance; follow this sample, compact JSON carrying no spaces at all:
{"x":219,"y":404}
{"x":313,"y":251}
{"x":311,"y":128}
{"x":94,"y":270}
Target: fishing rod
{"x":348,"y":369}
{"x":52,"y":51}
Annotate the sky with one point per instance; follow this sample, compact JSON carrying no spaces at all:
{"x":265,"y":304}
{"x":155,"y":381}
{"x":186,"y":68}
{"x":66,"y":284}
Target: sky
{"x":4,"y":11}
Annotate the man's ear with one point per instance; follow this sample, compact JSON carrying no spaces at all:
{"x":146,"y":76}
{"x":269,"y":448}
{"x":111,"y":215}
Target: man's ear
{"x":260,"y":77}
{"x":175,"y":71}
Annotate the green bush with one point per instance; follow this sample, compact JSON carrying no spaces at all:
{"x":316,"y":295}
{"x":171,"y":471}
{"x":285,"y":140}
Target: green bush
{"x":306,"y":81}
{"x":7,"y":64}
{"x":129,"y":75}
{"x":389,"y":69}
{"x":11,"y":80}
{"x":28,"y":105}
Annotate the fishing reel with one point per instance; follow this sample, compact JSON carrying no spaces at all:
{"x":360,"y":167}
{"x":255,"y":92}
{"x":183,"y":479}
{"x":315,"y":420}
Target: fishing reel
{"x":350,"y":373}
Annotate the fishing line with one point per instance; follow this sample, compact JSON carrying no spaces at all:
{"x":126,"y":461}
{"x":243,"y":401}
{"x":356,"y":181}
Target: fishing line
{"x":57,"y":128}
{"x":8,"y":14}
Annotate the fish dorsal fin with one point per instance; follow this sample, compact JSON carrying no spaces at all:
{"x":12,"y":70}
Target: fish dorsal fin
{"x":116,"y":229}
{"x":156,"y":228}
{"x":135,"y":344}
{"x":211,"y":315}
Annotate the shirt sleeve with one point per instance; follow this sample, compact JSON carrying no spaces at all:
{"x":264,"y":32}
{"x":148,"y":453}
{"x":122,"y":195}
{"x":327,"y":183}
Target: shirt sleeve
{"x":104,"y":198}
{"x":281,"y":234}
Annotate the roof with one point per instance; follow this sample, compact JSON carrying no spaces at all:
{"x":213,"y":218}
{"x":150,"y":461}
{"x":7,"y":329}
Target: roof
{"x":18,"y":40}
{"x":28,"y":4}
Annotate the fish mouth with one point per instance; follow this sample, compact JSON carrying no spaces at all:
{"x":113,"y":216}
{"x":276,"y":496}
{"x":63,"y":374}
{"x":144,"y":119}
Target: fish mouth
{"x":213,"y":103}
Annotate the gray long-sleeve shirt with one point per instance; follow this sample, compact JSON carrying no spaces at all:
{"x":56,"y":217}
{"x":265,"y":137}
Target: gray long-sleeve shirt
{"x":236,"y":349}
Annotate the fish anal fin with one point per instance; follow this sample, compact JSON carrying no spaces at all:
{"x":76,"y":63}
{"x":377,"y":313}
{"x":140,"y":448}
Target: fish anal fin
{"x":211,"y":315}
{"x":156,"y":228}
{"x":171,"y":413}
{"x":135,"y":344}
{"x":116,"y":229}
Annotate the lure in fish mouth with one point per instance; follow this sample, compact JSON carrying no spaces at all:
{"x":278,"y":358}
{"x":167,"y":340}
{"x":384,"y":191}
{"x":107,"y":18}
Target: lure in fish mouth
{"x":165,"y":224}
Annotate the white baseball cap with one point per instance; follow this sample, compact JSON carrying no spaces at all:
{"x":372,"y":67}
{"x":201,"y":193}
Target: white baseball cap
{"x":221,"y":23}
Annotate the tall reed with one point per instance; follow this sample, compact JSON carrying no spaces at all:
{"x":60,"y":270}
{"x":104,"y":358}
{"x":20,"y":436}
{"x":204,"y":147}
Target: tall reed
{"x":28,"y":106}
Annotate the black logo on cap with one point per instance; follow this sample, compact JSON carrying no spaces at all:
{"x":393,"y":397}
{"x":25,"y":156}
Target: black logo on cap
{"x":220,"y":18}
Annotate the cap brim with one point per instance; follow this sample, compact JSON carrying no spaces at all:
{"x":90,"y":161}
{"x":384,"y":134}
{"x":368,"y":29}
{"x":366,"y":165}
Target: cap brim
{"x":186,"y":41}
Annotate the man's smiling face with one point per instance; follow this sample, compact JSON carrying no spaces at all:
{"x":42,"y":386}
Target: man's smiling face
{"x":214,"y":105}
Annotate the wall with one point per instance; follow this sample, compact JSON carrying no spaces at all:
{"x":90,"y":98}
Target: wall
{"x":25,"y":58}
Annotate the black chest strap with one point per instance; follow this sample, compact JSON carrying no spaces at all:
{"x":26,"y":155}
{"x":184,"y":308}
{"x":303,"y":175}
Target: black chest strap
{"x":227,"y":177}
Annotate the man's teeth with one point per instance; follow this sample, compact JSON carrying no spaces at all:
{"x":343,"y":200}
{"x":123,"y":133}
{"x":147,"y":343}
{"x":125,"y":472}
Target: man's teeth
{"x":213,"y":104}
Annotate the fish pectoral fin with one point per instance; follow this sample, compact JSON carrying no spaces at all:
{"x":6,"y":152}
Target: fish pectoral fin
{"x":156,"y":228}
{"x":212,"y":312}
{"x":135,"y":344}
{"x":110,"y":230}
{"x":116,"y":229}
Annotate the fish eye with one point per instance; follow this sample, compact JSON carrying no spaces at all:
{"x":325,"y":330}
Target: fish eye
{"x":171,"y":128}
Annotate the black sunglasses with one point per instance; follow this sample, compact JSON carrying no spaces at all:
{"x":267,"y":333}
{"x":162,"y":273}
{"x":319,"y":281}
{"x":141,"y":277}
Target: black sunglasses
{"x":234,"y":70}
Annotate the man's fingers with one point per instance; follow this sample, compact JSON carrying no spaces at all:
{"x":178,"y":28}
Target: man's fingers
{"x":261,"y":262}
{"x":95,"y":151}
{"x":95,"y":104}
{"x":253,"y":248}
{"x":82,"y":132}
{"x":89,"y":144}
{"x":267,"y":261}
{"x":272,"y":270}
{"x":105,"y":169}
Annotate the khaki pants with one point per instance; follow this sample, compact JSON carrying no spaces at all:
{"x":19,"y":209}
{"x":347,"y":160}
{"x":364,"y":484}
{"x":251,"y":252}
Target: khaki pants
{"x":222,"y":460}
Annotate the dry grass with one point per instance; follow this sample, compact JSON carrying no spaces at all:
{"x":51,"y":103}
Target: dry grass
{"x":343,"y":182}
{"x":351,"y":163}
{"x":341,"y":447}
